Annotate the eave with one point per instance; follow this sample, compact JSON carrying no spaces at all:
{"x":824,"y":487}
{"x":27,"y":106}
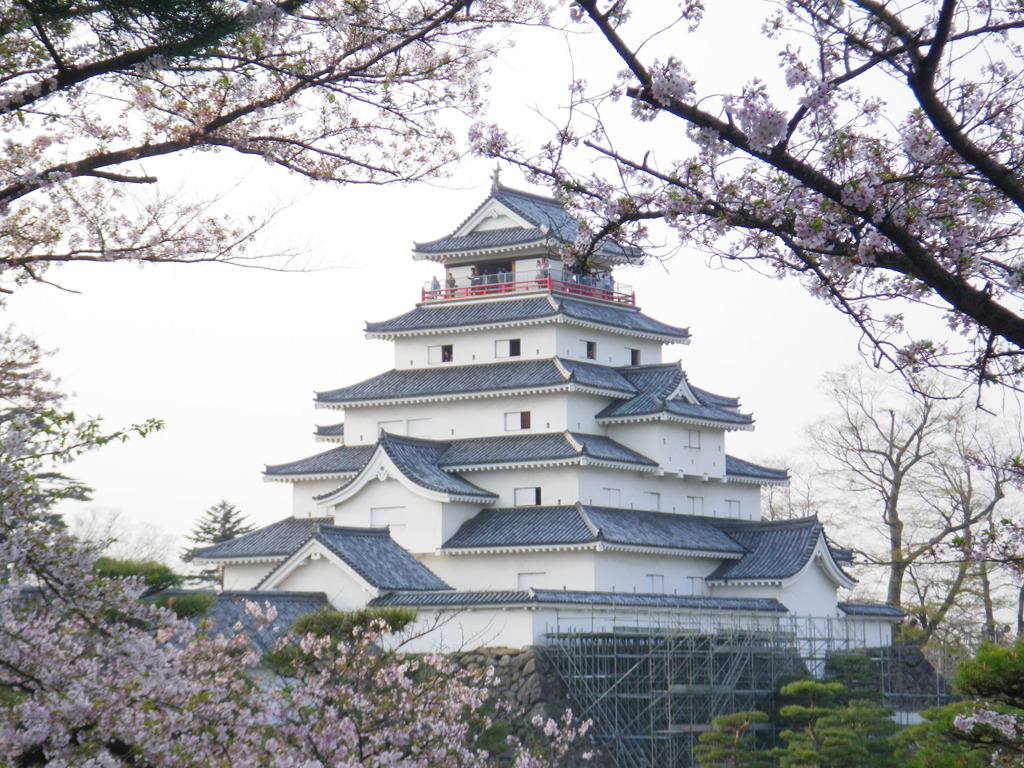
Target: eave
{"x":660,"y":416}
{"x":592,"y":546}
{"x":442,"y":397}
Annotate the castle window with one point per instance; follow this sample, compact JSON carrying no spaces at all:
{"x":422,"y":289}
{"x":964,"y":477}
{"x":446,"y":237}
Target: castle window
{"x":384,"y":517}
{"x":696,"y":504}
{"x":693,"y":438}
{"x":391,"y":427}
{"x":527,"y":497}
{"x":612,"y":497}
{"x":634,"y":356}
{"x":589,"y":349}
{"x":419,"y":427}
{"x":656,"y":583}
{"x":517,"y":420}
{"x":530,"y":580}
{"x":442,"y":353}
{"x":652,"y":501}
{"x":508,"y":348}
{"x":732,"y":508}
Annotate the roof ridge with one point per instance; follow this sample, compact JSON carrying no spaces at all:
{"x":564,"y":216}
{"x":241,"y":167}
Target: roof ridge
{"x":422,"y":441}
{"x":579,"y":446}
{"x":356,"y":530}
{"x":595,"y":530}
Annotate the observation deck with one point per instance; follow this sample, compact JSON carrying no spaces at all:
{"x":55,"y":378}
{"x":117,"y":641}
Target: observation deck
{"x":595,"y":287}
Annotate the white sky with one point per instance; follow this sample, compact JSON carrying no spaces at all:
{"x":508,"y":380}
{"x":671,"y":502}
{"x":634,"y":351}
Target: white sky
{"x":230,"y":357}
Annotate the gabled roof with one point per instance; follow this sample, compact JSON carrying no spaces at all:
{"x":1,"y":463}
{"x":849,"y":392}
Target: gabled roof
{"x":418,"y":460}
{"x":469,"y":379}
{"x":374,"y":555}
{"x":429,"y":317}
{"x":519,"y":527}
{"x":735,"y":467}
{"x":577,"y":598}
{"x":663,"y":389}
{"x":273,"y":541}
{"x":549,"y":220}
{"x":776,"y":549}
{"x":476,"y":452}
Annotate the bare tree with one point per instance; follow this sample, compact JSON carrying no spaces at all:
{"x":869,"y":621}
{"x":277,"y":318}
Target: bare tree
{"x":922,"y":477}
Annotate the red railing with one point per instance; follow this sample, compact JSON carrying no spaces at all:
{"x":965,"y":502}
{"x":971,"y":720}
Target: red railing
{"x":505,"y":283}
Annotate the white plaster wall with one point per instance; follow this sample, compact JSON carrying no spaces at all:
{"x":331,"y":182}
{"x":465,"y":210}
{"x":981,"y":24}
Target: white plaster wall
{"x":629,"y":571}
{"x":476,"y":417}
{"x":303,"y":491}
{"x":476,"y":347}
{"x":811,"y":592}
{"x":559,"y":485}
{"x":581,"y":413}
{"x":612,"y":348}
{"x":877,"y":634}
{"x":666,"y":443}
{"x":569,"y":570}
{"x":675,"y":492}
{"x":421,"y":531}
{"x":245,"y":575}
{"x":342,"y":590}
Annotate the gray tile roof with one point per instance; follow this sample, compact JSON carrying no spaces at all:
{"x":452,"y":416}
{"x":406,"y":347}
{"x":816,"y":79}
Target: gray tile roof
{"x":554,"y":446}
{"x":734,"y":466}
{"x":467,"y":379}
{"x":279,"y":539}
{"x":871,"y":609}
{"x":655,"y":385}
{"x":342,"y":460}
{"x":331,"y":430}
{"x":581,"y":524}
{"x":537,"y":210}
{"x":571,"y":597}
{"x":431,"y":317}
{"x":229,"y":611}
{"x":418,"y":460}
{"x":507,"y":449}
{"x":374,"y":555}
{"x":776,"y":549}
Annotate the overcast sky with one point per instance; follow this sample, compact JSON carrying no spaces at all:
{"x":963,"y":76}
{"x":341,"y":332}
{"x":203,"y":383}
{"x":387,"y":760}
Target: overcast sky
{"x":230,"y":357}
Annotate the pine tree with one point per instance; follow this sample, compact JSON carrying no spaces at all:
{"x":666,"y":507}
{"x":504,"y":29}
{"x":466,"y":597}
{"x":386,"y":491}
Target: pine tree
{"x":221,"y":522}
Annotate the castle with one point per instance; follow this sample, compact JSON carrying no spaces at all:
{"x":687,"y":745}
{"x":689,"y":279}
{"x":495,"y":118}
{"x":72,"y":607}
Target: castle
{"x":531,"y":462}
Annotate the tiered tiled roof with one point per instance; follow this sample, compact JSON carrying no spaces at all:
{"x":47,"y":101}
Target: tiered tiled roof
{"x":550,"y":223}
{"x":880,"y":610}
{"x":664,"y":389}
{"x":448,"y":381}
{"x":374,"y":555}
{"x":523,"y":311}
{"x":556,"y":447}
{"x":528,"y":527}
{"x":740,"y":468}
{"x":275,"y":540}
{"x":555,"y":597}
{"x":776,"y":549}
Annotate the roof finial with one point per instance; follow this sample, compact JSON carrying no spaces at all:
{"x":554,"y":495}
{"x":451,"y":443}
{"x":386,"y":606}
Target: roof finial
{"x":496,"y":178}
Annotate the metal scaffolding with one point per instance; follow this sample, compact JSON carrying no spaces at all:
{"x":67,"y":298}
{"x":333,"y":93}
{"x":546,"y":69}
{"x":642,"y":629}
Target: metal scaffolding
{"x":653,"y":683}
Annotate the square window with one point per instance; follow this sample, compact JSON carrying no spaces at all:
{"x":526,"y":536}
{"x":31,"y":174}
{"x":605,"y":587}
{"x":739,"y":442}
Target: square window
{"x":656,"y":583}
{"x":693,"y":438}
{"x":517,"y":420}
{"x":590,"y":350}
{"x":383,"y":517}
{"x":652,"y":501}
{"x":443,"y":353}
{"x":696,"y":504}
{"x":391,"y":427}
{"x":634,"y":356}
{"x":419,"y":427}
{"x":527,"y":497}
{"x":508,"y":348}
{"x":612,"y":496}
{"x":732,"y":508}
{"x":530,"y":580}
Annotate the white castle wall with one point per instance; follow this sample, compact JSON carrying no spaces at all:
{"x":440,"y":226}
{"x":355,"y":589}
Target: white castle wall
{"x":652,"y":573}
{"x":668,"y":443}
{"x":517,"y":570}
{"x":809,"y":593}
{"x":343,"y":591}
{"x":474,"y":347}
{"x":476,"y":417}
{"x":611,"y":348}
{"x":245,"y":575}
{"x":303,"y":493}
